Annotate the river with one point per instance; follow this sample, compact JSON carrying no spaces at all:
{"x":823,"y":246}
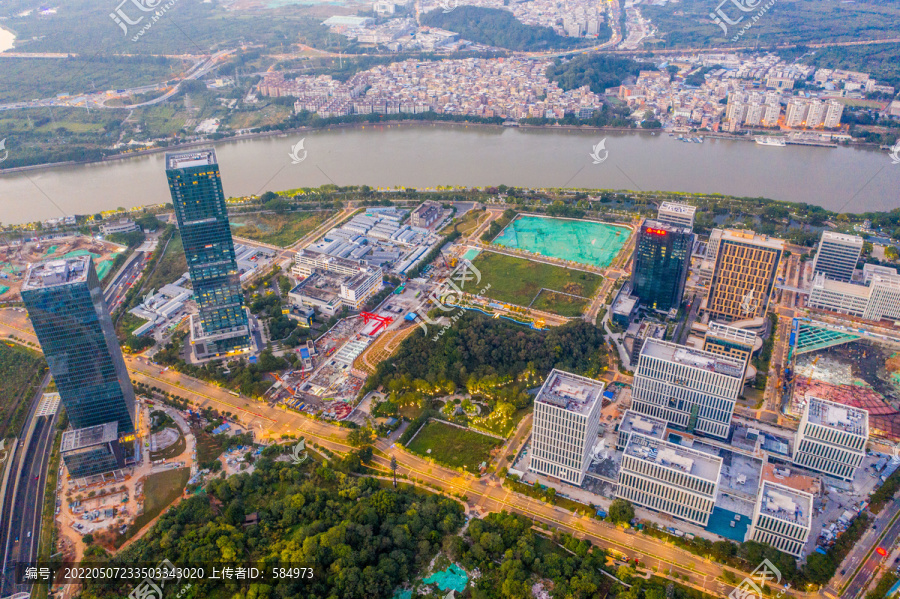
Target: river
{"x":423,"y":156}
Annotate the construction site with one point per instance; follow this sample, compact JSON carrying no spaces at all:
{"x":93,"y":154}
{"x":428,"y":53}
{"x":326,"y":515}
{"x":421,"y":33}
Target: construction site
{"x":17,"y":255}
{"x":862,"y":374}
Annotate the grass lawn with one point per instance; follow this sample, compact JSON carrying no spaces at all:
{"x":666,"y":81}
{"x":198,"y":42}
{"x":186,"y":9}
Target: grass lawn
{"x":453,"y":446}
{"x":160,"y":490}
{"x":278,"y":229}
{"x":21,"y":370}
{"x":559,"y":303}
{"x":172,"y":265}
{"x":519,"y":281}
{"x":504,"y":428}
{"x":208,"y":447}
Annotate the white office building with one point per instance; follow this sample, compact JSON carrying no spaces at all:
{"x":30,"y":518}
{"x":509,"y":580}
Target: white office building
{"x":877,"y":300}
{"x":566,"y":420}
{"x":123,"y":225}
{"x":832,"y":438}
{"x":690,"y":388}
{"x":676,"y":214}
{"x":782,"y":518}
{"x":669,"y":478}
{"x":838,"y":255}
{"x":634,"y":422}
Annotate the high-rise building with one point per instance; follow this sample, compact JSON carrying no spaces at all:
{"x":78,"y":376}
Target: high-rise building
{"x":566,"y":421}
{"x":724,"y":340}
{"x":222,"y":325}
{"x":662,"y":256}
{"x":744,"y":275}
{"x":676,"y":214}
{"x":832,"y":438}
{"x":833,"y":114}
{"x":690,"y":388}
{"x":669,"y":478}
{"x":782,"y":517}
{"x":71,"y":321}
{"x":838,"y":255}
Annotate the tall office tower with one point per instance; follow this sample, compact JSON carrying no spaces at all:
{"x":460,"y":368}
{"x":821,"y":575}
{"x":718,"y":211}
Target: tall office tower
{"x":782,"y":517}
{"x":676,"y":214}
{"x":838,"y":255}
{"x":832,"y":438}
{"x":669,"y":478}
{"x":687,"y":387}
{"x":662,"y":257}
{"x":66,"y":307}
{"x":744,"y":275}
{"x":566,"y":420}
{"x":724,"y":340}
{"x":222,"y":326}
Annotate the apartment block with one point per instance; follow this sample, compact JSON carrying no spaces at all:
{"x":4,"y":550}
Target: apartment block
{"x":676,"y":214}
{"x":838,"y":255}
{"x":669,"y":478}
{"x":566,"y":421}
{"x":782,"y":518}
{"x":746,"y":265}
{"x":832,"y":438}
{"x":689,"y":388}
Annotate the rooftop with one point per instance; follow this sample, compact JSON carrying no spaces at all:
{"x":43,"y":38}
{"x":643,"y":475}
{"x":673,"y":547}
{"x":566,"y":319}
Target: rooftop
{"x":90,"y":436}
{"x":677,"y":457}
{"x":643,"y":424}
{"x":834,"y":415}
{"x":694,"y":358}
{"x":649,"y":225}
{"x":676,"y":208}
{"x":574,"y":393}
{"x":57,"y":272}
{"x":785,"y":503}
{"x":723,"y":331}
{"x":202,"y":157}
{"x":751,"y":238}
{"x":842,"y":237}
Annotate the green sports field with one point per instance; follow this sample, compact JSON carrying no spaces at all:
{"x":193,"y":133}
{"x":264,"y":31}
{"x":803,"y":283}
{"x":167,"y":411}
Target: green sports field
{"x":538,"y":285}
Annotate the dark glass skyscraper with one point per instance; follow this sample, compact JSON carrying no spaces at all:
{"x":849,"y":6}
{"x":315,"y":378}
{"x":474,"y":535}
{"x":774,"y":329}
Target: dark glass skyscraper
{"x":66,"y":307}
{"x":221,"y":326}
{"x":662,"y":257}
